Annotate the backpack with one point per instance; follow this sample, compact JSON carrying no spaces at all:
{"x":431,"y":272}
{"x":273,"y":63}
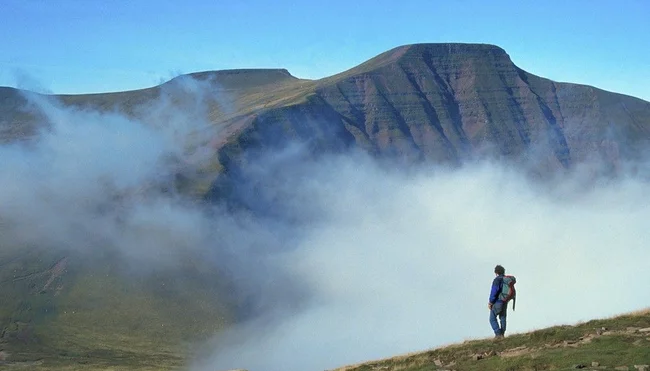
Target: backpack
{"x":508,"y":291}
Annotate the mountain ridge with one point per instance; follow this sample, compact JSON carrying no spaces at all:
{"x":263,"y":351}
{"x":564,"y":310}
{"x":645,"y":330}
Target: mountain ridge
{"x":374,"y":62}
{"x":448,"y":103}
{"x":440,"y":103}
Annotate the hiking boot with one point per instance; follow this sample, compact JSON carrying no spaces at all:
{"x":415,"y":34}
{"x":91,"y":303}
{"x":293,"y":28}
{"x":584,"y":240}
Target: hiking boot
{"x":498,"y":337}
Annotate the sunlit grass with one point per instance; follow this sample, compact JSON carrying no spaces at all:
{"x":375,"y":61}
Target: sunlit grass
{"x":612,"y":342}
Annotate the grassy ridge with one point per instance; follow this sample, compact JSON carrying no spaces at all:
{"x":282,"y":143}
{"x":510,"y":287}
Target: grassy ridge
{"x":599,"y":344}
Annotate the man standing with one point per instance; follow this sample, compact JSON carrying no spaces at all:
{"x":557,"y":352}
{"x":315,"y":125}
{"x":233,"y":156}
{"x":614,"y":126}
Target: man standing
{"x":496,"y":305}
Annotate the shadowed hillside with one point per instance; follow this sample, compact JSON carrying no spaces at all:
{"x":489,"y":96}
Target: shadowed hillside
{"x":447,"y":103}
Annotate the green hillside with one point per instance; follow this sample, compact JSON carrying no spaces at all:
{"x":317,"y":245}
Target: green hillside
{"x":617,"y":343}
{"x":63,"y":310}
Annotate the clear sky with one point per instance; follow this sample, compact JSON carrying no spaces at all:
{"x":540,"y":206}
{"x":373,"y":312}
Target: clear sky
{"x":83,"y":46}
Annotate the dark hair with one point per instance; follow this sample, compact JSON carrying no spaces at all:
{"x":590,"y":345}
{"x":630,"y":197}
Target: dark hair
{"x":499,"y":270}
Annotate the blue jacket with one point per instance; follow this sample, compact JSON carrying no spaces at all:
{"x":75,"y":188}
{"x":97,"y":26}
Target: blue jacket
{"x":497,"y":283}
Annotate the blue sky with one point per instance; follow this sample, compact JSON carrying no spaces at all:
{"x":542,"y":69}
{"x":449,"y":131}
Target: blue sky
{"x":76,"y":46}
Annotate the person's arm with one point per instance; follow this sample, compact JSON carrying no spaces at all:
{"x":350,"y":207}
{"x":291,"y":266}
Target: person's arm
{"x":494,"y":292}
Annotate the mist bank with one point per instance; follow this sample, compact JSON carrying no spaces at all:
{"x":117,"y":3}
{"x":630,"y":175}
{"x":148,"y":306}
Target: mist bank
{"x":106,"y":189}
{"x":396,"y":260}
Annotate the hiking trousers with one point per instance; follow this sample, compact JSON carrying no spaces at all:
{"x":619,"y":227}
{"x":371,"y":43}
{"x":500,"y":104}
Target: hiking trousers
{"x":499,"y":309}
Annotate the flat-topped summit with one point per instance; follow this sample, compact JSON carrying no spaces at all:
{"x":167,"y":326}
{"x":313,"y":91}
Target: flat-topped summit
{"x":242,"y":78}
{"x":462,"y":49}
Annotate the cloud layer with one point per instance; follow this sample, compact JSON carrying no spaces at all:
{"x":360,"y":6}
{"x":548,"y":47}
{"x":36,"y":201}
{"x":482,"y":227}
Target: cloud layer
{"x":402,"y":261}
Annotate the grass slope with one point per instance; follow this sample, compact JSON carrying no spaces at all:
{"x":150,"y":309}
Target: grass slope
{"x":64,"y":312}
{"x":605,"y":344}
{"x":619,"y":343}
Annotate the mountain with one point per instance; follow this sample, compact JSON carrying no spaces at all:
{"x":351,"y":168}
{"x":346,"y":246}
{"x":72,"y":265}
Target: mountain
{"x":434,"y":102}
{"x":423,"y":103}
{"x":440,"y":103}
{"x":450,"y":102}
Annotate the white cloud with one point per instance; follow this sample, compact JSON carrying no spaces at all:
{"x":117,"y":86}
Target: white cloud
{"x":403,"y":262}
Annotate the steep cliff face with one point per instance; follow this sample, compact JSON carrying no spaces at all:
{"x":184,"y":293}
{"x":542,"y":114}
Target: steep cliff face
{"x":447,"y":99}
{"x":446,"y":103}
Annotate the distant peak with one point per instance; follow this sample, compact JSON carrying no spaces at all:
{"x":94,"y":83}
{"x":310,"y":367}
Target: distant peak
{"x":426,"y":51}
{"x":455,"y":46}
{"x":280,"y":72}
{"x":453,"y":49}
{"x":241,"y":78}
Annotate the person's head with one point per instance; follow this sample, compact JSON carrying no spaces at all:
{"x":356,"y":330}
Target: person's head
{"x":499,"y":270}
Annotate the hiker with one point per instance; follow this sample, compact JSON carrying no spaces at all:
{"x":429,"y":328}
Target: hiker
{"x":502,"y":291}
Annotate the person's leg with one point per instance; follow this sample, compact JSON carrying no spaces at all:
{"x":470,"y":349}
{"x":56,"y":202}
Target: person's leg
{"x":493,"y":320}
{"x":502,"y":318}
